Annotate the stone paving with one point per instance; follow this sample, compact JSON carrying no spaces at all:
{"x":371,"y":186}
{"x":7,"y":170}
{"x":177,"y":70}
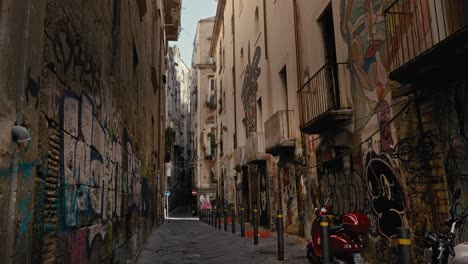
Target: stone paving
{"x":185,"y":240}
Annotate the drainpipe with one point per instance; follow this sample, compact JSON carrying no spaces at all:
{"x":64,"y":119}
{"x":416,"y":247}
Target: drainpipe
{"x":297,"y":44}
{"x":234,"y":73}
{"x":233,"y":21}
{"x":265,"y":30}
{"x":19,"y":119}
{"x":299,"y":78}
{"x":298,"y":59}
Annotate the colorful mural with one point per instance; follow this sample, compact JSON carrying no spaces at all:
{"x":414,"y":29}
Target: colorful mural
{"x":205,"y":201}
{"x":249,"y":90}
{"x":403,"y":160}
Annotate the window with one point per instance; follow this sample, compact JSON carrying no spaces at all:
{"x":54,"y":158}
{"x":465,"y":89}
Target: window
{"x":221,"y":63}
{"x":328,"y":36}
{"x":242,"y":57}
{"x":221,"y":97}
{"x":259,"y":116}
{"x":211,"y":94}
{"x":141,"y":8}
{"x":284,"y":83}
{"x":257,"y":26}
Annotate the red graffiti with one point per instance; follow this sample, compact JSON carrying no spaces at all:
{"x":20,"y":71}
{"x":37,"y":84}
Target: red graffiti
{"x":78,"y":250}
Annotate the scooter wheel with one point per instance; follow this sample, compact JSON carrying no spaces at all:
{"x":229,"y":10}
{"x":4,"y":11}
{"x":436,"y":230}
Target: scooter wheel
{"x":314,"y":259}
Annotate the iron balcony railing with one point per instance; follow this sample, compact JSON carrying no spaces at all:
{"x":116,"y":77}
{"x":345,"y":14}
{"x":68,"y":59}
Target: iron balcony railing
{"x":322,"y":92}
{"x":279,"y":130}
{"x":415,"y":26}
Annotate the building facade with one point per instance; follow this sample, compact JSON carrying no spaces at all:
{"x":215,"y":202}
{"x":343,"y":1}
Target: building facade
{"x":261,"y":162}
{"x":82,"y":127}
{"x":178,"y":123}
{"x":351,"y":104}
{"x":203,"y":90}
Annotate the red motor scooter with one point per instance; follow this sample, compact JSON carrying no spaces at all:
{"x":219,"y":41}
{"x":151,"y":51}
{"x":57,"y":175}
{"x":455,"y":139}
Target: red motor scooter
{"x":345,"y":241}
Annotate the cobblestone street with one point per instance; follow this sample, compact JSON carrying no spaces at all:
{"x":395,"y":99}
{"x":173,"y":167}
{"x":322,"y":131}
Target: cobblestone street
{"x":193,"y":241}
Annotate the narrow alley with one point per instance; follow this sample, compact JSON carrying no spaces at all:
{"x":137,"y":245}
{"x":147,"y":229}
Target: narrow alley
{"x":185,"y":239}
{"x":338,"y":125}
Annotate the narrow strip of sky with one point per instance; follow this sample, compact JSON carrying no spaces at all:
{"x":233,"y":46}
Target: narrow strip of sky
{"x":192,"y":12}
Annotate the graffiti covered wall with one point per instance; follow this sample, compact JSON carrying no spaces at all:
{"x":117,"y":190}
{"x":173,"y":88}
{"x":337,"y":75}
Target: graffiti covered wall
{"x":88,"y":177}
{"x":406,"y":158}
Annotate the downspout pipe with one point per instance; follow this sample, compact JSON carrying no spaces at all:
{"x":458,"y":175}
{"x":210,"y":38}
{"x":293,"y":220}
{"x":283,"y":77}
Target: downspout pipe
{"x":265,"y":29}
{"x":298,"y":54}
{"x":299,"y":82}
{"x":19,"y":120}
{"x":234,"y":73}
{"x":297,"y":44}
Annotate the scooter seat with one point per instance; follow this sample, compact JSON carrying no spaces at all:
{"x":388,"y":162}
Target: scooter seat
{"x":336,"y":229}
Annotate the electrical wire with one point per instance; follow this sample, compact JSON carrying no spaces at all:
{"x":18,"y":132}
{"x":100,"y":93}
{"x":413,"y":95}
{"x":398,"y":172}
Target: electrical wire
{"x":352,"y":121}
{"x":352,"y":150}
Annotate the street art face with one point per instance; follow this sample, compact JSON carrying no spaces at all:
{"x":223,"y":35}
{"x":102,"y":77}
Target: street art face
{"x":249,"y":91}
{"x":415,"y":152}
{"x":387,"y":196}
{"x":205,"y":202}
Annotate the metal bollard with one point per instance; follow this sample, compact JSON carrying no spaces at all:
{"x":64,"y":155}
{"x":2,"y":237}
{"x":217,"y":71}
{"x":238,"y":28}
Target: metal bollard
{"x":212,"y":217}
{"x":324,"y":239}
{"x":215,"y":218}
{"x":233,"y":220}
{"x":209,"y":216}
{"x":279,"y":226}
{"x":242,"y":221}
{"x":255,"y":225}
{"x":219,"y":218}
{"x":225,"y":219}
{"x":404,"y":246}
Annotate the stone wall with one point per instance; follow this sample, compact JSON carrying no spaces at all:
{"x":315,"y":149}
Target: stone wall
{"x":87,"y":182}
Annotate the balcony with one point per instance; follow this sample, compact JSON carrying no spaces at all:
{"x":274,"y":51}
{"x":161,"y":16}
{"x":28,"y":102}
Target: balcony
{"x":325,"y":99}
{"x":255,"y":148}
{"x":172,"y":11}
{"x":426,"y":40}
{"x":279,"y":131}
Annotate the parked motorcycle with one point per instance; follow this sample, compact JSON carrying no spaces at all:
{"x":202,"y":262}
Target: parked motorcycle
{"x":346,"y":241}
{"x":440,"y":246}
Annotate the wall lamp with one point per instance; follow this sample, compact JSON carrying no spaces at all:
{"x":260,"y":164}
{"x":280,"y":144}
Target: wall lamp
{"x":20,"y":134}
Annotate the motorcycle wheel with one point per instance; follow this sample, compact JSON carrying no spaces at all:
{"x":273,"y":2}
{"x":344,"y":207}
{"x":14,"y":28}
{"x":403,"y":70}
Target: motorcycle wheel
{"x":314,"y":259}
